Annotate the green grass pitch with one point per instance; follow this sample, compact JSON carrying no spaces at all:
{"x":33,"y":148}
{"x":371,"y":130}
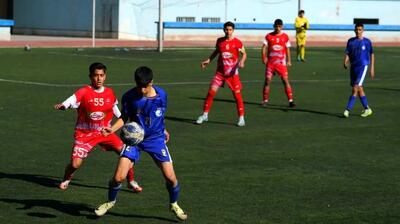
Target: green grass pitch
{"x":302,"y":165}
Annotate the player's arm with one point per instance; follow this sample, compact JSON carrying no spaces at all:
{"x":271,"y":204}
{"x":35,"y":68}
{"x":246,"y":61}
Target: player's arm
{"x":209,"y":59}
{"x":244,"y":57}
{"x":306,"y":25}
{"x":288,"y":57}
{"x":167,"y":135}
{"x":346,"y":61}
{"x":372,"y":71}
{"x":71,"y":102}
{"x":115,"y":127}
{"x":264,"y":53}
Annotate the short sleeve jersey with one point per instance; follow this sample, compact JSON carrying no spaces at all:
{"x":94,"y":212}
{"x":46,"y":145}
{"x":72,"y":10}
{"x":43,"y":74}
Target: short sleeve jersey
{"x":359,"y":51}
{"x":95,"y":109}
{"x":228,"y":60}
{"x":148,"y":112}
{"x":277,"y":45}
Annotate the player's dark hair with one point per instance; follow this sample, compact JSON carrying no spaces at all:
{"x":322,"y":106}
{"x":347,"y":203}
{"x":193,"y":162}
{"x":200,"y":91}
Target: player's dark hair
{"x":359,"y":25}
{"x":301,"y":11}
{"x":143,"y":76}
{"x":229,"y":23}
{"x":98,"y":66}
{"x":278,"y":22}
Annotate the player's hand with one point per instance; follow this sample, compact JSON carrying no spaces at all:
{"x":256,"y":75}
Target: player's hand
{"x":289,"y":63}
{"x":59,"y":106}
{"x":205,"y":63}
{"x":106,"y":131}
{"x":265,"y":60}
{"x":344,"y":66}
{"x":166,"y":136}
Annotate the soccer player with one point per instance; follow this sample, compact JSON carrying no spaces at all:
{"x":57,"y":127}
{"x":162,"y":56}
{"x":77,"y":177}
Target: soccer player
{"x":96,"y":105}
{"x":359,"y":54}
{"x":275,"y":54}
{"x":301,"y":24}
{"x":145,"y":104}
{"x":227,"y":48}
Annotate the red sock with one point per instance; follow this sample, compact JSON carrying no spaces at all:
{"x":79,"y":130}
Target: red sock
{"x":266,"y":93}
{"x":239,"y":103}
{"x":209,"y":100}
{"x":289,"y":93}
{"x":131,"y":175}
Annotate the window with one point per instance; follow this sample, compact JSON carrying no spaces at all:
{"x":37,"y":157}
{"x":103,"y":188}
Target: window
{"x":210,"y":19}
{"x":366,"y":21}
{"x":185,"y":19}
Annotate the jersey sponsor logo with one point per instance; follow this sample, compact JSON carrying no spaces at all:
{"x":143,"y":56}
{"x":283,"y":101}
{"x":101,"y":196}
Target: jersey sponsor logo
{"x":158,"y":112}
{"x":276,"y":54}
{"x":363,"y":47}
{"x":97,"y":116}
{"x":277,"y":47}
{"x":227,"y":55}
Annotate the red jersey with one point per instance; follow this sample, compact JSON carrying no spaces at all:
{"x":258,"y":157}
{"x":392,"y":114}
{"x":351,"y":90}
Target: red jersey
{"x":277,"y":46}
{"x":95,"y":108}
{"x":228,"y":60}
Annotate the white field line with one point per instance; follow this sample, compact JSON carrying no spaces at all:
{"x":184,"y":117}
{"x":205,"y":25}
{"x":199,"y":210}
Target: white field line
{"x":25,"y":82}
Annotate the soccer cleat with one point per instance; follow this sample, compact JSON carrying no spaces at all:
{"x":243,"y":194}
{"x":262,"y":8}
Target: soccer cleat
{"x":179,"y":213}
{"x":292,"y":104}
{"x":201,"y":119}
{"x":136,"y":188}
{"x":346,"y":113}
{"x":264,"y":103}
{"x":64,"y":184}
{"x":103,"y":208}
{"x":366,"y":113}
{"x":241,"y":122}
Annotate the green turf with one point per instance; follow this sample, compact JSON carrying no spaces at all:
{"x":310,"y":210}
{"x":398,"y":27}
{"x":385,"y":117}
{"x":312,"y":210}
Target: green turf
{"x":303,"y":165}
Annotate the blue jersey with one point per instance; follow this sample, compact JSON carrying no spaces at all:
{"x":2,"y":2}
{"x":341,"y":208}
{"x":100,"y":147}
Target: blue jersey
{"x":359,"y":51}
{"x":148,"y":112}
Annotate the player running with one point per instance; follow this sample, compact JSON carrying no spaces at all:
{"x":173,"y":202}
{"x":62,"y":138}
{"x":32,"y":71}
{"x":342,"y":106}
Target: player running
{"x":275,"y":54}
{"x":145,"y":104}
{"x":227,"y":48}
{"x":301,"y":24}
{"x":360,"y":54}
{"x":96,"y":105}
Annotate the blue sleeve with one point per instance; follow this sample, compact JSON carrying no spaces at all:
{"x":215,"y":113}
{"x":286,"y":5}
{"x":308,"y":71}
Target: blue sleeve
{"x":124,"y":109}
{"x":371,"y":50}
{"x":347,"y":51}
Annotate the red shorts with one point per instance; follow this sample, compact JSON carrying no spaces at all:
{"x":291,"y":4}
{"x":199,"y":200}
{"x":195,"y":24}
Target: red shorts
{"x":278,"y":68}
{"x":232,"y":81}
{"x":86,"y":141}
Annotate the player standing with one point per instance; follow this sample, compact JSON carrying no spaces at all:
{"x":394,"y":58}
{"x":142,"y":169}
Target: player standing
{"x":145,"y":104}
{"x":301,"y":24}
{"x":227,"y":48}
{"x":275,"y":54}
{"x":360,"y":54}
{"x":96,"y":105}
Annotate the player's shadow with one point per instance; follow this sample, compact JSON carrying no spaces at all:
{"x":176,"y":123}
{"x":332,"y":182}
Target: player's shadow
{"x":69,"y":208}
{"x":47,"y":181}
{"x":283,"y":108}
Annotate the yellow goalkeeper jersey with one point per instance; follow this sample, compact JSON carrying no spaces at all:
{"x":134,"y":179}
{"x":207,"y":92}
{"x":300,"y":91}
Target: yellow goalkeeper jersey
{"x":301,"y":25}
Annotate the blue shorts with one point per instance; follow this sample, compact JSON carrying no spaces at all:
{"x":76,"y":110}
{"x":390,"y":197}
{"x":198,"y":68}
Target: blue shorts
{"x":156,"y":148}
{"x":357,"y":75}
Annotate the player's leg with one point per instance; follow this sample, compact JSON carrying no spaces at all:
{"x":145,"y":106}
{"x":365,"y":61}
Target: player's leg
{"x":235,"y":85}
{"x":173,"y":188}
{"x":125,"y":162}
{"x":217,"y":81}
{"x":363,"y":98}
{"x":283,"y":73}
{"x":298,"y":47}
{"x":269,"y":72}
{"x":113,"y":143}
{"x":70,"y":169}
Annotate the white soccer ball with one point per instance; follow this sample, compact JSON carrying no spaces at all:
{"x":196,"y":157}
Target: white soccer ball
{"x":132,"y":133}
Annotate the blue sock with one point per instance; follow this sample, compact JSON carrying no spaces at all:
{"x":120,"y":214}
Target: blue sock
{"x":113,"y":191}
{"x":364,"y":101}
{"x":350,"y":103}
{"x":173,"y":192}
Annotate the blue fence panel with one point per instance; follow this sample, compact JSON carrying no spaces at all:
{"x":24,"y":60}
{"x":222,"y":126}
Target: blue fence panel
{"x":6,"y":22}
{"x":269,"y":26}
